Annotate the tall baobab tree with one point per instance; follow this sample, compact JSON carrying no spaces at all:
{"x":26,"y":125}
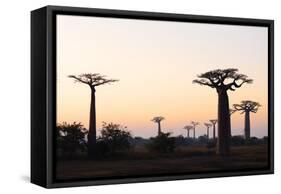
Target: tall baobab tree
{"x":92,"y":80}
{"x":194,"y":124}
{"x":188,"y":128}
{"x":208,"y":125}
{"x":214,"y":122}
{"x":223,"y":80}
{"x":246,"y":107}
{"x":158,"y":121}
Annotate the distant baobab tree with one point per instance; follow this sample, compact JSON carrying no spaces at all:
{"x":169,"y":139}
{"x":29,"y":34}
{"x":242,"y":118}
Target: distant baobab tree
{"x":246,"y":107}
{"x":92,"y":80}
{"x":223,"y":80}
{"x":188,"y":128}
{"x":194,"y":124}
{"x":214,"y":122}
{"x":158,"y":120}
{"x":208,"y":125}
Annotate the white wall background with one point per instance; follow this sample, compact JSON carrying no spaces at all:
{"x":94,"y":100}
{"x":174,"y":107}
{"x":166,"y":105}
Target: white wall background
{"x":15,"y":94}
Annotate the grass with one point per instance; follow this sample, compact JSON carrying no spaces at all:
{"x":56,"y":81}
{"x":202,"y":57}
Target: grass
{"x":185,"y":159}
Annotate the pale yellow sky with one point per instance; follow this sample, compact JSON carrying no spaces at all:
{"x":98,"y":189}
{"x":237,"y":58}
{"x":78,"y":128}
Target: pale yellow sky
{"x":156,"y":62}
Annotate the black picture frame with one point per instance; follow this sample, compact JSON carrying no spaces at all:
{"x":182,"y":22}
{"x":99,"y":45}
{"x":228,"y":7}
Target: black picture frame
{"x":43,"y":91}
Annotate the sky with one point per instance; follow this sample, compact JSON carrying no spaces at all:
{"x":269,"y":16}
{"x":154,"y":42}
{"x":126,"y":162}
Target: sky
{"x":155,"y":63}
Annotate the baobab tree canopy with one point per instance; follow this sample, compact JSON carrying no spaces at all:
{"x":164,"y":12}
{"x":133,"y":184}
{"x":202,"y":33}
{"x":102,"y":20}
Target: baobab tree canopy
{"x":194,"y":123}
{"x":225,"y":79}
{"x":213,"y":121}
{"x":208,"y":124}
{"x":247,"y":105}
{"x":188,"y":127}
{"x":157,"y":119}
{"x":92,"y":79}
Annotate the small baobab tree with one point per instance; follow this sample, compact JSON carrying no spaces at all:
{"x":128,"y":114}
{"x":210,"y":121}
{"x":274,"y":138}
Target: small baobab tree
{"x":223,"y":80}
{"x":194,"y":124}
{"x":92,"y":80}
{"x":188,"y":128}
{"x":158,"y":120}
{"x":208,"y":125}
{"x":246,"y":107}
{"x":214,"y":122}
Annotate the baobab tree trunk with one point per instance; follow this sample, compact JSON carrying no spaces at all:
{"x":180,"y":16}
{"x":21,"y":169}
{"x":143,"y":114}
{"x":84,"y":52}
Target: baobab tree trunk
{"x":208,"y":132}
{"x":92,"y":126}
{"x":247,"y":125}
{"x":223,"y":143}
{"x":188,"y":134}
{"x":194,"y":133}
{"x":159,"y":128}
{"x":214,"y":131}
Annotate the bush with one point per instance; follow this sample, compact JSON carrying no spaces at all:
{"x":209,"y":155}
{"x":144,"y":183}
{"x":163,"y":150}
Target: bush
{"x":114,"y":138}
{"x":162,"y":143}
{"x":71,"y":139}
{"x":212,"y":143}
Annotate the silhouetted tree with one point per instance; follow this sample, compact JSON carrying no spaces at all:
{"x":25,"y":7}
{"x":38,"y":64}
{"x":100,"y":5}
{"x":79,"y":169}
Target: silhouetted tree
{"x":187,"y":128}
{"x":92,"y":80}
{"x":194,"y":124}
{"x":223,"y":80}
{"x":246,"y":107}
{"x":158,"y":121}
{"x":162,"y":143}
{"x":114,"y":138}
{"x":214,"y":122}
{"x":208,"y":125}
{"x":71,"y":138}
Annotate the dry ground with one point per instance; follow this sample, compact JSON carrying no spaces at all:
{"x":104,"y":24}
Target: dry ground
{"x":185,"y":159}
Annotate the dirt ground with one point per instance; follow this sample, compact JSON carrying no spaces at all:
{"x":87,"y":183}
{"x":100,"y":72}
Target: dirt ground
{"x":243,"y":157}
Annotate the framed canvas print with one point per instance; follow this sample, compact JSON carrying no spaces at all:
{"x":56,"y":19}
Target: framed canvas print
{"x":126,"y":96}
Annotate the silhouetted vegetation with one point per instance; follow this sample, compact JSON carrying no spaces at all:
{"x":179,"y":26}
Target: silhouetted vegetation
{"x":115,"y":142}
{"x":114,"y":139}
{"x":162,"y":143}
{"x":71,"y":139}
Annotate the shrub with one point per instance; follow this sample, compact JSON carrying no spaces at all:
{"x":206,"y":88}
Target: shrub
{"x":237,"y":140}
{"x":114,"y":138}
{"x":71,"y":139}
{"x":162,"y":143}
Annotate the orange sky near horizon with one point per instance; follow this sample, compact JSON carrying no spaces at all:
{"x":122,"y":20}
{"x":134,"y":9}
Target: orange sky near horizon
{"x":156,"y":62}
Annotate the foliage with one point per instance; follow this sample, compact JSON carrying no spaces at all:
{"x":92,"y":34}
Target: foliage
{"x":162,"y":143}
{"x":71,"y":138}
{"x":237,"y":140}
{"x":114,"y":138}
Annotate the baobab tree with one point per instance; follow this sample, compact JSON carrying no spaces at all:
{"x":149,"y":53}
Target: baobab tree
{"x":208,"y":125}
{"x":223,"y":80}
{"x":92,"y":80}
{"x":188,"y":128}
{"x":214,"y":122}
{"x":158,"y":120}
{"x":194,"y":124}
{"x":246,"y":107}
